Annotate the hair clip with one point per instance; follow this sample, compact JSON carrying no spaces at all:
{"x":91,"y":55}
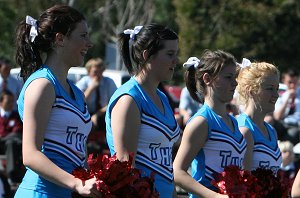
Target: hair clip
{"x":192,"y":61}
{"x":134,"y":31}
{"x":33,"y":30}
{"x":245,"y":63}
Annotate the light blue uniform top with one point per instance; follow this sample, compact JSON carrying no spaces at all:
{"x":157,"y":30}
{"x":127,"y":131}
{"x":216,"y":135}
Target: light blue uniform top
{"x":266,"y":153}
{"x":158,"y":132}
{"x":223,"y":147}
{"x":64,"y":139}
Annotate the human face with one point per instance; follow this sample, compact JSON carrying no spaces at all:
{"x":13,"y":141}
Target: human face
{"x":5,"y":70}
{"x":267,"y":93}
{"x":290,"y":82}
{"x":164,"y":62}
{"x":77,"y":44}
{"x":7,"y":102}
{"x":96,"y":72}
{"x":225,"y":84}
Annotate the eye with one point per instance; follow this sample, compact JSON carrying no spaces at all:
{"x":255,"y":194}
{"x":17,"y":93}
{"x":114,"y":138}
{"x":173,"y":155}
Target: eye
{"x":85,"y":35}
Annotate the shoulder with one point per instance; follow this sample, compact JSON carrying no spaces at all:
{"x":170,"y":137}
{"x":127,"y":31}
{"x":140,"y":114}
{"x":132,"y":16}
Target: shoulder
{"x":40,"y":88}
{"x":247,"y":133}
{"x":84,"y":79}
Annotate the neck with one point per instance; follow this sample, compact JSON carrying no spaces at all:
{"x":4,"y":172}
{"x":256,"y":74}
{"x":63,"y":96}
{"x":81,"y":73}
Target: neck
{"x":217,"y":107}
{"x":255,"y":114}
{"x":149,"y":84}
{"x":58,"y":67}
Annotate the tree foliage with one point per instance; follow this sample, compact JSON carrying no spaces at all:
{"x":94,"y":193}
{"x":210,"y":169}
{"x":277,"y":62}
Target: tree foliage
{"x":262,"y":30}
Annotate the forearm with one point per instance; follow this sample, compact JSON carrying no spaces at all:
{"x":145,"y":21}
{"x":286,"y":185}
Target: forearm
{"x":185,"y":181}
{"x":44,"y":167}
{"x":279,"y":113}
{"x":88,"y":91}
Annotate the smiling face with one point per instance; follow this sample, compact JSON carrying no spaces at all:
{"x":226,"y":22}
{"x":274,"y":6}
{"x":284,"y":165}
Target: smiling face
{"x":267,"y":94}
{"x":77,"y":44}
{"x":164,"y":62}
{"x":225,"y":84}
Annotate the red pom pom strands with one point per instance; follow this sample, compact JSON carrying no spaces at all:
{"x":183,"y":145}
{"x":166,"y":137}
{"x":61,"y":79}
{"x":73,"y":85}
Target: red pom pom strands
{"x":116,"y":178}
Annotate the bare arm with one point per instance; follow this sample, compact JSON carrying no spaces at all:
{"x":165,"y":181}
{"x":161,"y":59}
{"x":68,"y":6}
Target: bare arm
{"x":39,"y":98}
{"x":91,"y":87}
{"x":249,"y":152}
{"x":296,"y":186}
{"x":125,"y":122}
{"x":279,"y":113}
{"x":194,"y":138}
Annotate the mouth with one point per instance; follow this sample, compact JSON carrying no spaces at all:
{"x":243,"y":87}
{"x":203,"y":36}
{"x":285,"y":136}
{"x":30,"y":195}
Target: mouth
{"x":273,"y":101}
{"x":83,"y":52}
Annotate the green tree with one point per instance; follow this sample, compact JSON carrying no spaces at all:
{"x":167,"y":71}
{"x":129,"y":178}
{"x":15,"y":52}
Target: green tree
{"x":265,"y":30}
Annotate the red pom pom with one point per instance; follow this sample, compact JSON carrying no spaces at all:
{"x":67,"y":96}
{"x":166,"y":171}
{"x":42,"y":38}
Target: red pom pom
{"x":259,"y":183}
{"x":116,"y":179}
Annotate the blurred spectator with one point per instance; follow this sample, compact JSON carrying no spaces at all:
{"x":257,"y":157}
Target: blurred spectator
{"x":8,"y":82}
{"x":187,"y":105}
{"x":289,"y":165}
{"x":5,"y":191}
{"x":97,"y":90}
{"x":11,"y":136}
{"x":287,"y":108}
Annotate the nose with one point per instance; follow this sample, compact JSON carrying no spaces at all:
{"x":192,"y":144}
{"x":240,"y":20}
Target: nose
{"x":90,"y":44}
{"x":234,"y":82}
{"x":276,"y":93}
{"x":175,"y":60}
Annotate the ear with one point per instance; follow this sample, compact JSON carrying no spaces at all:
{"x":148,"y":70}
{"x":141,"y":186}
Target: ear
{"x":59,"y":39}
{"x":250,"y":93}
{"x":206,"y":78}
{"x":145,"y":54}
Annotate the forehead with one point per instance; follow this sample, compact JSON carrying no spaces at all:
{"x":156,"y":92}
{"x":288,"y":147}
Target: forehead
{"x":81,"y":27}
{"x":229,"y":69}
{"x":288,"y":78}
{"x":170,"y":45}
{"x":270,"y":79}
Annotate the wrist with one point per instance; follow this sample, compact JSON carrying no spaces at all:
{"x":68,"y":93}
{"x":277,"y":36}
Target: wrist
{"x":77,"y":183}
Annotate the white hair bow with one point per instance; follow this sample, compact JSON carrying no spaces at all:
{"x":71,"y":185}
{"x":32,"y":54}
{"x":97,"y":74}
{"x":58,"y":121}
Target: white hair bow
{"x":245,"y":63}
{"x":192,"y":61}
{"x":33,"y":30}
{"x":134,"y":31}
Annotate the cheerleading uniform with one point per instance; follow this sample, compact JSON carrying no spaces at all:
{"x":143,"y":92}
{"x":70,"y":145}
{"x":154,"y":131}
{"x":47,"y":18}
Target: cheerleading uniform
{"x":266,"y":153}
{"x":223,"y":147}
{"x":158,"y":132}
{"x":64,"y":139}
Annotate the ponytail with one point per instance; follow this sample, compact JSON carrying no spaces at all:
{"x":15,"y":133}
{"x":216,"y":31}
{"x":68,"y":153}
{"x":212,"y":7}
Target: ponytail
{"x":191,"y":84}
{"x":124,"y":40}
{"x":27,"y":55}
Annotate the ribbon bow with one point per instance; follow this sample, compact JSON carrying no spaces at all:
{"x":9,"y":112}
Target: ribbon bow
{"x":33,"y":30}
{"x":245,"y":63}
{"x":192,"y":61}
{"x":134,"y":31}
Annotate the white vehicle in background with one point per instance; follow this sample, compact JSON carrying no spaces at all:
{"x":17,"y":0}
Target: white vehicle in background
{"x":76,"y":73}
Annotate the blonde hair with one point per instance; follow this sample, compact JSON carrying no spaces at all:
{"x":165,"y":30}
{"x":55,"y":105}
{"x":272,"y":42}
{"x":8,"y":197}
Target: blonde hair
{"x":251,"y":77}
{"x":285,"y":146}
{"x":98,"y":62}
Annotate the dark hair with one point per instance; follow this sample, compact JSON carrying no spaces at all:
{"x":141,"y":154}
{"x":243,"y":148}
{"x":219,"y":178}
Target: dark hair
{"x":150,"y":38}
{"x":211,"y":62}
{"x":57,"y":19}
{"x":5,"y":61}
{"x":5,"y":93}
{"x":292,"y":72}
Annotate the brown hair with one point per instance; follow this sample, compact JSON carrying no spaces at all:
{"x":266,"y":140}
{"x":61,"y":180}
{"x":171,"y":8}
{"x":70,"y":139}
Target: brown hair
{"x":211,"y":62}
{"x":57,"y":19}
